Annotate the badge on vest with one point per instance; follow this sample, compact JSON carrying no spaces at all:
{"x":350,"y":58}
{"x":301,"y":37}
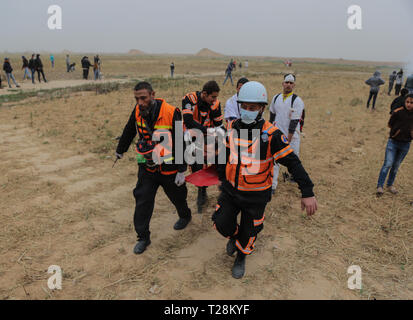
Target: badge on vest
{"x":284,"y":139}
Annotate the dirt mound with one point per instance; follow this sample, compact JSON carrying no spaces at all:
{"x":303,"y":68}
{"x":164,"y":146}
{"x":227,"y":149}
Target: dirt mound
{"x":205,"y":52}
{"x":136,"y":52}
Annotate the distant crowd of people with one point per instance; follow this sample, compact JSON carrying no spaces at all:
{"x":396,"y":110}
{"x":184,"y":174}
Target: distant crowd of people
{"x":85,"y":62}
{"x":395,"y":78}
{"x":30,"y":67}
{"x":35,"y":65}
{"x":400,"y":124}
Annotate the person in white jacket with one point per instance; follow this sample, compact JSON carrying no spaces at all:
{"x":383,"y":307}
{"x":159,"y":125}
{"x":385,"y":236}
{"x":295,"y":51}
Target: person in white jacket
{"x":286,"y":112}
{"x":232,"y":106}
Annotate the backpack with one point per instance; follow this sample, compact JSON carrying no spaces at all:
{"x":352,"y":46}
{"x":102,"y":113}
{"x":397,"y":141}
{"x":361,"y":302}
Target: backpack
{"x":294,"y":96}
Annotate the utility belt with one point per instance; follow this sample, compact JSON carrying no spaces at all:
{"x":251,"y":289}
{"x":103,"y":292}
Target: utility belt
{"x":145,"y":157}
{"x":144,"y":149}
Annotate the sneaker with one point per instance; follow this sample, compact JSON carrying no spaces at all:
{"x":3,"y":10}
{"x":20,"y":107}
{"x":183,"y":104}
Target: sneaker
{"x":231,"y":248}
{"x":392,"y":189}
{"x":272,"y":191}
{"x":238,"y":269}
{"x":181,"y":223}
{"x":380,"y":191}
{"x":141,"y":246}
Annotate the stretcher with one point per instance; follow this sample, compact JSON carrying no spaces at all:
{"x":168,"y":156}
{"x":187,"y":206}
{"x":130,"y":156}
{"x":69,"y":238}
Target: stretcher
{"x":204,"y":178}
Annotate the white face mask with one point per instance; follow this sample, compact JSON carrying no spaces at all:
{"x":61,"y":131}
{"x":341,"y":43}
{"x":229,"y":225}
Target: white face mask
{"x":248,"y":117}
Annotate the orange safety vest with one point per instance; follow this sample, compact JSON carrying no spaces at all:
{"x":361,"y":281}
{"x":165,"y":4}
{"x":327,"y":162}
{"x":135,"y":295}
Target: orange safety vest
{"x":162,"y":153}
{"x":199,"y":116}
{"x":247,"y":170}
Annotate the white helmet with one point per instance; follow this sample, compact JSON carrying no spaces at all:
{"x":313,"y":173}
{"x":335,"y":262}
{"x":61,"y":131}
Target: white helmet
{"x":254,"y":92}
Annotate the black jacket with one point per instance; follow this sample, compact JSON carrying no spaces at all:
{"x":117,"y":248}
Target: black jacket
{"x":38,"y":64}
{"x":25,"y":63}
{"x":401,"y":125}
{"x":32,"y":63}
{"x":86,"y":63}
{"x":129,"y":133}
{"x":7,"y":67}
{"x":397,"y":103}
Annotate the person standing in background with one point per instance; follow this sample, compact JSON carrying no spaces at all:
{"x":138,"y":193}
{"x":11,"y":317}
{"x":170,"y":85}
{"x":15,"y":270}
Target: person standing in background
{"x":172,"y":69}
{"x":409,"y":83}
{"x":374,"y":82}
{"x":398,"y":144}
{"x":228,"y":72}
{"x":39,"y":67}
{"x":52,"y":60}
{"x":25,"y":67}
{"x":85,"y":66}
{"x":399,"y":82}
{"x":9,"y":72}
{"x":67,"y":63}
{"x":96,"y":67}
{"x":286,"y":112}
{"x":32,"y":66}
{"x":392,"y":78}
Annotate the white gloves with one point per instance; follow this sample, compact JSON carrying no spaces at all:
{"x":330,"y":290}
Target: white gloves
{"x":220,"y":131}
{"x":216,"y":131}
{"x":180,"y":179}
{"x":211,"y":131}
{"x":118,"y":155}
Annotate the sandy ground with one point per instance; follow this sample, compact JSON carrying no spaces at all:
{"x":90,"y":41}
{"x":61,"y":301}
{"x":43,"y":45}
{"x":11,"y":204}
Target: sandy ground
{"x":61,"y":203}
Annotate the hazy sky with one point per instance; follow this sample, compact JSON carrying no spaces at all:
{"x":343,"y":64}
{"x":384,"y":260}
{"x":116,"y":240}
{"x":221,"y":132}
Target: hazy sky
{"x":294,"y":28}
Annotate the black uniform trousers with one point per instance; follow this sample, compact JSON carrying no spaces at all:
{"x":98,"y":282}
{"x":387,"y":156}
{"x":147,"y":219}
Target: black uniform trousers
{"x":397,"y":89}
{"x":85,"y":73}
{"x":145,"y":192}
{"x":251,"y":223}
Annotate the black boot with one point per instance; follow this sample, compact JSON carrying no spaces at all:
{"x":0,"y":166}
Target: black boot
{"x":238,"y":268}
{"x":202,"y":198}
{"x":231,"y":248}
{"x":141,"y":246}
{"x":182,"y":223}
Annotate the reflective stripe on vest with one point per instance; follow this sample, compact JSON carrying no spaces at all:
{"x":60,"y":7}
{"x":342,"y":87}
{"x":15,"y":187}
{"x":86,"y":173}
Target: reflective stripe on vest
{"x":162,"y":153}
{"x":246,"y":169}
{"x":202,"y":117}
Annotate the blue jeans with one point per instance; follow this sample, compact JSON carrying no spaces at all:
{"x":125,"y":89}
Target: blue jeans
{"x":228,"y":76}
{"x":11,"y":76}
{"x":33,"y":71}
{"x":395,"y":153}
{"x":26,"y":72}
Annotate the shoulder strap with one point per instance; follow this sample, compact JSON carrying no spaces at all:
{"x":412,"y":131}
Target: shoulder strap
{"x":293,"y":97}
{"x":275,"y":98}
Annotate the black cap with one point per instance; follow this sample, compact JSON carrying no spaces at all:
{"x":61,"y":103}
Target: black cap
{"x":242,"y":81}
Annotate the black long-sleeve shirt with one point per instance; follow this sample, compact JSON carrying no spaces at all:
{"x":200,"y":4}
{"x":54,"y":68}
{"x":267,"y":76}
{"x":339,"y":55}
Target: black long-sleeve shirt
{"x":7,"y":67}
{"x":130,"y":131}
{"x":291,"y":161}
{"x":397,"y":103}
{"x":38,"y":64}
{"x":32,"y":64}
